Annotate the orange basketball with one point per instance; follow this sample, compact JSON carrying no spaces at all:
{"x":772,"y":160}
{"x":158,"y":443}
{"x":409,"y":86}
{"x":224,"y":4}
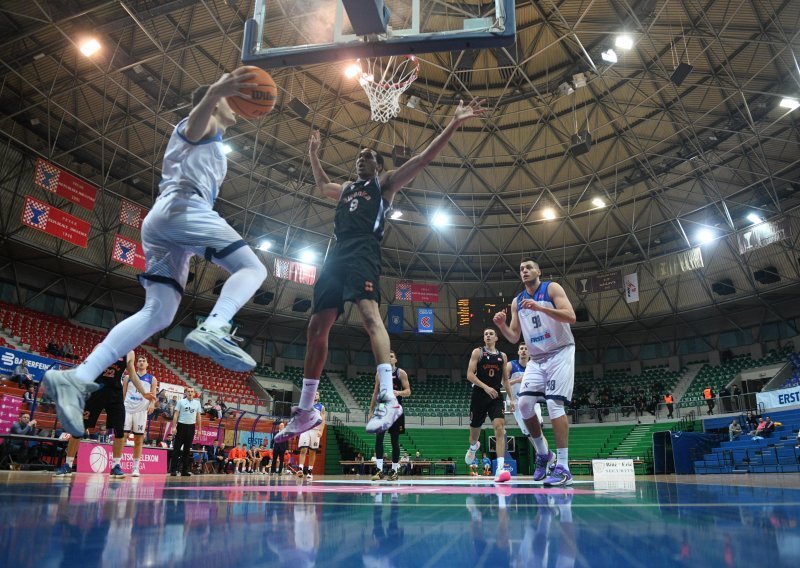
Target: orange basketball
{"x":263,"y":96}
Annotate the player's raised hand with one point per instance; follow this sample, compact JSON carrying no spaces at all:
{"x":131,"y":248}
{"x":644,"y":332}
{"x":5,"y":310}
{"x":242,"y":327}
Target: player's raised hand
{"x":499,"y":319}
{"x":465,"y":112}
{"x":529,"y":304}
{"x":233,"y":84}
{"x":313,"y":142}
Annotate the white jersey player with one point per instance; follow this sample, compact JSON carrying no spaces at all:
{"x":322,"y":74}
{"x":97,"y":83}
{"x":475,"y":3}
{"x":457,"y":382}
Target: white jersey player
{"x":137,"y":408}
{"x":516,"y":369}
{"x":542,"y":313}
{"x":181,"y":224}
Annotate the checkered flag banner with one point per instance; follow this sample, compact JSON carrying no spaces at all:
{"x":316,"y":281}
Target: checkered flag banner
{"x":46,"y":176}
{"x":132,"y":214}
{"x":36,"y":214}
{"x":124,"y":251}
{"x":402,"y":290}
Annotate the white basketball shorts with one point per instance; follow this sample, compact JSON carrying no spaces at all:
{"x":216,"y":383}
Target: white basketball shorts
{"x":182,"y":224}
{"x":551,"y":377}
{"x":309,"y":439}
{"x":135,"y":422}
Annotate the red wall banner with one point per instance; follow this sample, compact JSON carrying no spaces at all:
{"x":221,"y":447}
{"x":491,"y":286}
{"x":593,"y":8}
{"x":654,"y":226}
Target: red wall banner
{"x":55,"y":222}
{"x":128,"y":252}
{"x":425,"y":293}
{"x":55,"y":180}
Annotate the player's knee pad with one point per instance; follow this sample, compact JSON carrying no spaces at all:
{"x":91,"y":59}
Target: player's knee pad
{"x":527,"y":406}
{"x":555,"y":408}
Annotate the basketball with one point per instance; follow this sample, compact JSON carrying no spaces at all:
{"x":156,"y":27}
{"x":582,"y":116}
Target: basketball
{"x":263,"y":96}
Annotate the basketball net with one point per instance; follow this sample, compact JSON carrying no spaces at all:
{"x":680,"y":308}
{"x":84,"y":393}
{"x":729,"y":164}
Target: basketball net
{"x":384,"y":83}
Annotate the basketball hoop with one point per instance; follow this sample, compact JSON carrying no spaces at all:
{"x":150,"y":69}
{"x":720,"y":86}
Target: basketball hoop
{"x":385,"y":83}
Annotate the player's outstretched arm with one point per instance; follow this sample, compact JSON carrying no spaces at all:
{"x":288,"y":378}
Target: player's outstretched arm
{"x":394,"y":180}
{"x":510,"y":331}
{"x":202,"y":123}
{"x":321,"y":179}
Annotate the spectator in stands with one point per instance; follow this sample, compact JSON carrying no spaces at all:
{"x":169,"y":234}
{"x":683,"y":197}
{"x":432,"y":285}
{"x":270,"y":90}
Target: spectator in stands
{"x":210,"y":411}
{"x":53,"y":348}
{"x":359,"y":469}
{"x":798,"y":439}
{"x":18,"y":449}
{"x":769,"y":426}
{"x":669,"y":401}
{"x":708,"y":395}
{"x":758,"y":432}
{"x":67,"y":351}
{"x":22,"y":375}
{"x":752,"y":420}
{"x":29,"y":396}
{"x":405,"y":465}
{"x":734,"y":430}
{"x":415,"y":469}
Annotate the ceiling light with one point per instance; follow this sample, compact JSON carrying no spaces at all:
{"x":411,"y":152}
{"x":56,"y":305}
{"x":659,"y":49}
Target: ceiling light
{"x":440,"y":219}
{"x":89,"y":47}
{"x":753,"y":218}
{"x":264,"y":245}
{"x":597,"y":202}
{"x":705,"y":236}
{"x":35,"y":122}
{"x":352,"y":70}
{"x":790,"y":103}
{"x":136,"y":180}
{"x":227,"y":148}
{"x":565,"y":89}
{"x":38,"y":56}
{"x":307,"y":256}
{"x":624,"y":42}
{"x":609,"y":56}
{"x":549,"y":214}
{"x":413,"y":102}
{"x":396,"y":214}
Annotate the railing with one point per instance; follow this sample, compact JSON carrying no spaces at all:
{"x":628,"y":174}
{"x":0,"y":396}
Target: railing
{"x":721,"y":405}
{"x":343,"y":432}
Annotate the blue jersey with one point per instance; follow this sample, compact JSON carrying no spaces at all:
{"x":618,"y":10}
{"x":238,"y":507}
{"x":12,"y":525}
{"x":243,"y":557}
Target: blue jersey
{"x":542,"y":334}
{"x":321,"y":408}
{"x":517,"y":370}
{"x":194,"y":166}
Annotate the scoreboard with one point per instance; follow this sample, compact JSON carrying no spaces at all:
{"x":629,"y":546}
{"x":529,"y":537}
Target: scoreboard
{"x":475,"y":314}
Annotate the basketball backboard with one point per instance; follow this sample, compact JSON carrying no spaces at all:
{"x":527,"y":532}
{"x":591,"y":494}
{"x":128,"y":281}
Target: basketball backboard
{"x":285,"y":33}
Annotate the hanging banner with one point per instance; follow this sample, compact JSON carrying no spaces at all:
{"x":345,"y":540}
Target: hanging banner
{"x":425,"y":320}
{"x":402,"y":291}
{"x":132,"y":214}
{"x":771,"y":400}
{"x":678,"y":263}
{"x":763,"y":234}
{"x":295,"y":271}
{"x":602,"y":282}
{"x":128,"y":252}
{"x":631,"y":288}
{"x":395,"y":315}
{"x":427,"y":293}
{"x":55,"y":180}
{"x":48,"y":219}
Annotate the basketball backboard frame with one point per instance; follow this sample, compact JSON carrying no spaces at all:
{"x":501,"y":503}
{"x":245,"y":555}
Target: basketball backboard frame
{"x":501,"y":32}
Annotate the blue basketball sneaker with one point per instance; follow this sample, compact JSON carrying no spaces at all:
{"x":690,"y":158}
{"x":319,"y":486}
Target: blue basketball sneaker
{"x":559,"y":476}
{"x":64,"y":470}
{"x":116,"y":472}
{"x":544,"y":465}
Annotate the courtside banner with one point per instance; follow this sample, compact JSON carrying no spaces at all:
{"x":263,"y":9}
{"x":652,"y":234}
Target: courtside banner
{"x":55,"y":180}
{"x":37,"y":365}
{"x":779,"y":398}
{"x":425,"y":320}
{"x":53,"y":221}
{"x":128,"y":252}
{"x":132,"y":214}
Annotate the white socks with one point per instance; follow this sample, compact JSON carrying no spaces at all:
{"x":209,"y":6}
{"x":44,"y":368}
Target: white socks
{"x":540,"y":444}
{"x":136,"y":464}
{"x":379,"y":464}
{"x":500,"y":463}
{"x":307,"y":394}
{"x":385,"y":378}
{"x":70,"y":461}
{"x":247,"y":274}
{"x":563,"y":457}
{"x":161,"y":303}
{"x":115,"y":462}
{"x":395,"y":466}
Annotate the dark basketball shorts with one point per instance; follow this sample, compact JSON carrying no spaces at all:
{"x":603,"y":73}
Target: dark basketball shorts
{"x":112,"y":401}
{"x":351,"y":273}
{"x":482,"y":405}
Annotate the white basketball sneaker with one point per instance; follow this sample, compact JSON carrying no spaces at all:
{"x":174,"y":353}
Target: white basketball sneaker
{"x":386,"y":413}
{"x":221,"y":346}
{"x":135,"y":472}
{"x":301,"y":421}
{"x":470,"y":455}
{"x":70,"y":395}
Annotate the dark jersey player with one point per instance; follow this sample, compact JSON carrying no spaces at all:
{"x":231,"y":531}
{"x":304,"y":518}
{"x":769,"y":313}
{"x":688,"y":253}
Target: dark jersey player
{"x":401,"y":388}
{"x":352,"y":270}
{"x":488,"y":373}
{"x":110,"y":397}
